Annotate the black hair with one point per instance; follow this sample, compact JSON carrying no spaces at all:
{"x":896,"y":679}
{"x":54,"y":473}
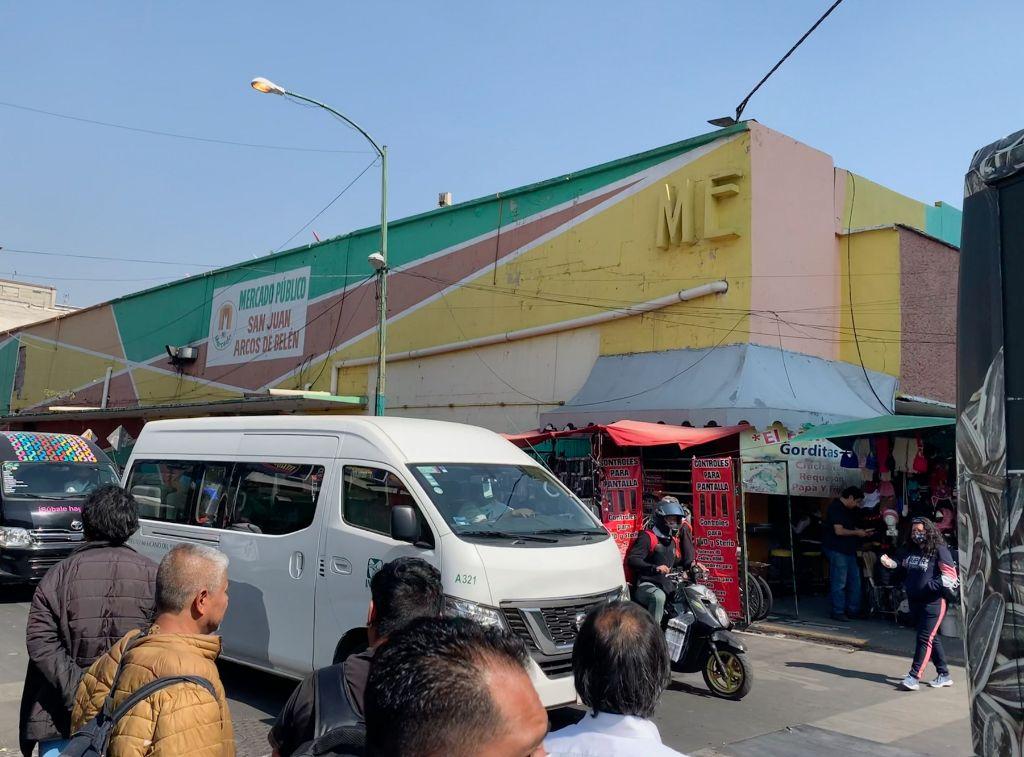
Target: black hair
{"x":852,"y":491}
{"x":403,"y":590}
{"x":109,"y":514}
{"x":620,"y":661}
{"x":934,"y":540}
{"x":428,"y":693}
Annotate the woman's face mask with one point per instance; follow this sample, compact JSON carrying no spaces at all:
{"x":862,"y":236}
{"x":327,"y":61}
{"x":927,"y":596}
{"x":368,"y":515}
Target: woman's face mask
{"x":919,"y":537}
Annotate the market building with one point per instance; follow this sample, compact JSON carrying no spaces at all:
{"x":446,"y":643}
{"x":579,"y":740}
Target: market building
{"x":737,"y":276}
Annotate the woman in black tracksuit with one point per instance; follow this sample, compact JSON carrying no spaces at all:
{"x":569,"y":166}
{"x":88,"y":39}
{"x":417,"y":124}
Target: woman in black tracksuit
{"x":927,"y":566}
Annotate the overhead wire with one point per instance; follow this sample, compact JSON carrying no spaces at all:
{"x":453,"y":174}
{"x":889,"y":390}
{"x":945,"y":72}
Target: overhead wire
{"x":175,"y":135}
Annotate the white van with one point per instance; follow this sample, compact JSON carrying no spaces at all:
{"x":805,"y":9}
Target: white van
{"x":308,"y":508}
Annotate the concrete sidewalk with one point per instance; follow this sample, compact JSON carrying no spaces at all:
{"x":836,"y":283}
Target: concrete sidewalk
{"x":871,"y":634}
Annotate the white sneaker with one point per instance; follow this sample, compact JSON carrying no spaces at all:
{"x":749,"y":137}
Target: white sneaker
{"x":910,"y":684}
{"x":942,"y":680}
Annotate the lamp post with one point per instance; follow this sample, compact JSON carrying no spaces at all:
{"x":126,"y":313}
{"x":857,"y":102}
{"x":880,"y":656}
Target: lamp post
{"x":379,"y":261}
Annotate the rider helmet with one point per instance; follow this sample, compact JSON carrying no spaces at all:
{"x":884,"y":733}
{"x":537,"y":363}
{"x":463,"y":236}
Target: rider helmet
{"x":668,"y":507}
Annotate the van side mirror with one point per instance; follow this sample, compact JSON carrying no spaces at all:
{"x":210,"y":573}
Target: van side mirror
{"x":405,"y":526}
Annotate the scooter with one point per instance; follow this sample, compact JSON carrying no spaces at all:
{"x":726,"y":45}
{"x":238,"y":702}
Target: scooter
{"x":699,"y":637}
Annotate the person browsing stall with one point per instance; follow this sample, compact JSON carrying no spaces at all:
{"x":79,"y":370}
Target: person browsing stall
{"x":654,"y":554}
{"x":840,"y":541}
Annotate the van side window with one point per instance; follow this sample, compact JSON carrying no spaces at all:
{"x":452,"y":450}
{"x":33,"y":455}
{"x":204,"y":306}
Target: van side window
{"x":273,"y":498}
{"x":211,"y":508}
{"x":163,"y":490}
{"x":367,"y":497}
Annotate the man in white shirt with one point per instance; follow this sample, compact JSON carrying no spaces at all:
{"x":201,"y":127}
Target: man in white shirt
{"x":621,"y":668}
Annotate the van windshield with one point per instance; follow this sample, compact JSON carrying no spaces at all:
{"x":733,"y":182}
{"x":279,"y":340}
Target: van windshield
{"x":54,"y":480}
{"x":513,"y":500}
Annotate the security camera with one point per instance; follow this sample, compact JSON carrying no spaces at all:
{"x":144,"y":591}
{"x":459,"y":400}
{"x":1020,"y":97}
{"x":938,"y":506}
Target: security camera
{"x":377,"y":261}
{"x":172,"y":352}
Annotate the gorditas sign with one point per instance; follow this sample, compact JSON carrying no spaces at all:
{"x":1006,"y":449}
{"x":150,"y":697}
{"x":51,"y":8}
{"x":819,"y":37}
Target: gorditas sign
{"x":622,"y":498}
{"x":714,"y":528}
{"x":813,"y":468}
{"x":259,"y":319}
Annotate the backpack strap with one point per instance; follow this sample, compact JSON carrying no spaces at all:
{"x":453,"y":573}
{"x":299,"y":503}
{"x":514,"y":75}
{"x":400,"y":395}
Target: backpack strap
{"x":653,"y":538}
{"x":330,"y":700}
{"x":144,"y":692}
{"x":108,"y":702}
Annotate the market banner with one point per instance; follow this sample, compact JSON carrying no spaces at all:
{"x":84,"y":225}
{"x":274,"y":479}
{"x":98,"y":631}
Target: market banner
{"x":622,"y":499}
{"x":259,"y":319}
{"x":814,"y":468}
{"x":714,"y":528}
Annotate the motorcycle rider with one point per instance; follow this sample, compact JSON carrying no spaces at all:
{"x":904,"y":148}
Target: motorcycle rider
{"x":656,"y":551}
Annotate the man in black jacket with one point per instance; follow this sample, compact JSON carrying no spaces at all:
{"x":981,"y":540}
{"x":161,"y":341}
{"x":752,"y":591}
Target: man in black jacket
{"x":84,"y":604}
{"x":656,"y":551}
{"x":401,"y":591}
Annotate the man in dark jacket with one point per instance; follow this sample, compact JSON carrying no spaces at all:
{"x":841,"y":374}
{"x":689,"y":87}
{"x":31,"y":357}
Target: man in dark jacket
{"x":82,"y":606}
{"x":656,"y":552}
{"x":403,"y":590}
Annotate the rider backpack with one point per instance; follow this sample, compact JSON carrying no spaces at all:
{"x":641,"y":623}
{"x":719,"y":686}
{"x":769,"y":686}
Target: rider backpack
{"x":337,"y":729}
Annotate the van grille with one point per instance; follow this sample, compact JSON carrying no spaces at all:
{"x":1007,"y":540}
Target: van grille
{"x":516,"y":624}
{"x":556,"y":668}
{"x":559,"y":624}
{"x":56,"y":535}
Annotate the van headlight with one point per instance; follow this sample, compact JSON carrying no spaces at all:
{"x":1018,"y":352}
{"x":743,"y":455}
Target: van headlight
{"x":482,"y":614}
{"x":624,"y":594}
{"x":15,"y":537}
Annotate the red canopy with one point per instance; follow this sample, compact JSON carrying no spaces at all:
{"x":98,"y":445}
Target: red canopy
{"x":635,"y":434}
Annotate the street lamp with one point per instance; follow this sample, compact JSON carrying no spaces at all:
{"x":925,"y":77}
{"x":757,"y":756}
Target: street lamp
{"x":379,"y":261}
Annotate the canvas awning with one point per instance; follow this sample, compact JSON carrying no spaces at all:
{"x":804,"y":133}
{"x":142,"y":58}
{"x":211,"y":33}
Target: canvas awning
{"x":728,"y":385}
{"x":634,"y":434}
{"x":883,"y":424}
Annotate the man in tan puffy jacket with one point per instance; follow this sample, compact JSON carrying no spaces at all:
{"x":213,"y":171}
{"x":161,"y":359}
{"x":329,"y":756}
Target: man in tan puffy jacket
{"x":183,"y":719}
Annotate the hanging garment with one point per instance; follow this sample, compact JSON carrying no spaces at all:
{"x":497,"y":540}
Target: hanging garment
{"x":849,"y":460}
{"x":862,"y":448}
{"x":883,"y":452}
{"x":904,"y":452}
{"x":920,"y":463}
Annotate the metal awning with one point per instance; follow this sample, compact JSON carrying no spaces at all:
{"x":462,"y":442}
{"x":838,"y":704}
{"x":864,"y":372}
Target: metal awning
{"x":728,"y":386}
{"x":261,"y":405}
{"x":883,"y":424}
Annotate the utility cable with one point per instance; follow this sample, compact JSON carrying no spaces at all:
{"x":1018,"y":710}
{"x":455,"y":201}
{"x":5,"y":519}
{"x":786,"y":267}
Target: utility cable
{"x":849,"y":289}
{"x":743,"y":103}
{"x":173,"y":135}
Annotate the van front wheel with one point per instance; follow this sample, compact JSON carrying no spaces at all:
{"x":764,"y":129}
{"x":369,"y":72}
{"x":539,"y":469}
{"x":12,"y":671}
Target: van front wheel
{"x":354,"y":642}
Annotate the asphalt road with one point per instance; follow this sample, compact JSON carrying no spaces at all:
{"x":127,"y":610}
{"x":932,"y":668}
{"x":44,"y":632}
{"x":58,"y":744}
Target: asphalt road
{"x":807,"y":699}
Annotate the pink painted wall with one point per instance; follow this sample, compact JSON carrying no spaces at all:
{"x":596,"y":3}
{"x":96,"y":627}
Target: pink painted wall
{"x":928,"y":288}
{"x":795,"y":264}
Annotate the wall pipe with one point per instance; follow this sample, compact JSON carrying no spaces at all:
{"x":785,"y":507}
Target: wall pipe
{"x":714,"y":287}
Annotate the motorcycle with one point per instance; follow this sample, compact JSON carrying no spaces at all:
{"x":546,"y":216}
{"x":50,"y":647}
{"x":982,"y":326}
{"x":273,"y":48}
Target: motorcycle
{"x":699,"y":637}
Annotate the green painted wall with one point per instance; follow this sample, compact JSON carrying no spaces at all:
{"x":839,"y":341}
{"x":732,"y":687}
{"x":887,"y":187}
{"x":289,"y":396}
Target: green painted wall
{"x":179,"y":313}
{"x":943,"y":222}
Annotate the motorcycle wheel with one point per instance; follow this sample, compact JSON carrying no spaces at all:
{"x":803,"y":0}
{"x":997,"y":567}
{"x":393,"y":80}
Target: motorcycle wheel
{"x":767,"y":599}
{"x":755,"y":599}
{"x":737,"y":680}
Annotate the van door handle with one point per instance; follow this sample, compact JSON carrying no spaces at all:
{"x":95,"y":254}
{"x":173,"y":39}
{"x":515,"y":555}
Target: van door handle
{"x":296,"y":564}
{"x":341,"y":565}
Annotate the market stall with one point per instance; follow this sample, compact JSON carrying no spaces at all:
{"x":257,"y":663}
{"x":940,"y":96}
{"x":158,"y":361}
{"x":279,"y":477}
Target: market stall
{"x":903,"y":464}
{"x":622,"y":469}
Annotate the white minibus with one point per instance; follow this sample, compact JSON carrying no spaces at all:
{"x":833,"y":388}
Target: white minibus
{"x":308,"y":508}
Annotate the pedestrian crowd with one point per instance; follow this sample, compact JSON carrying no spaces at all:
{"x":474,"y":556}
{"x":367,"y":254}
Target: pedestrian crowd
{"x":123,"y":661}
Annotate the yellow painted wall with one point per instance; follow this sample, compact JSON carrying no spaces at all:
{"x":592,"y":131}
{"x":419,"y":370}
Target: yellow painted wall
{"x":52,"y":371}
{"x":875,"y":205}
{"x":609,"y":260}
{"x":875,"y":283}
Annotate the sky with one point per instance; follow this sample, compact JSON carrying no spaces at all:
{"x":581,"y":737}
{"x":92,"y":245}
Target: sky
{"x":471,"y":98}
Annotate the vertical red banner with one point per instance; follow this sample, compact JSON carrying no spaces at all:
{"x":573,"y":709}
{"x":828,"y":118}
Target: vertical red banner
{"x":622,"y":498}
{"x":714,"y":528}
